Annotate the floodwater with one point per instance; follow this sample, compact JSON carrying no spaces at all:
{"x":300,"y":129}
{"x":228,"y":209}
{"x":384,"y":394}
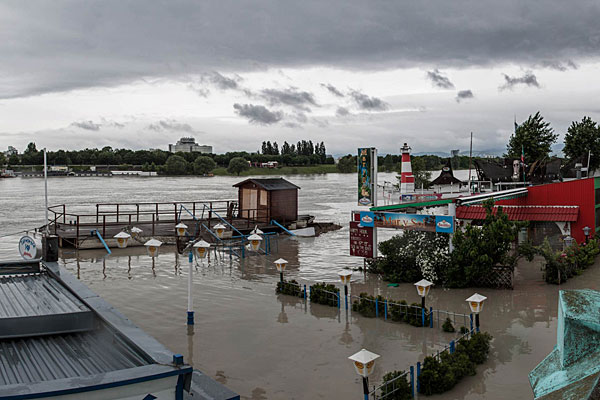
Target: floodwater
{"x":265,"y":346}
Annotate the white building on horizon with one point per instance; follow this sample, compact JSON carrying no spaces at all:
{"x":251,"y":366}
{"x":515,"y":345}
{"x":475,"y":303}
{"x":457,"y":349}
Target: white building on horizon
{"x":189,"y":145}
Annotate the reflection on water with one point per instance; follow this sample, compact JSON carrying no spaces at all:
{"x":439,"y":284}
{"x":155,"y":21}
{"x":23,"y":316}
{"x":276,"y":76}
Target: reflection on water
{"x":267,"y":346}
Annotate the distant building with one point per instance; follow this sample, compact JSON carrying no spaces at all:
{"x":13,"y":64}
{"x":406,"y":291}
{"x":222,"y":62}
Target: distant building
{"x":189,"y":145}
{"x":11,"y":151}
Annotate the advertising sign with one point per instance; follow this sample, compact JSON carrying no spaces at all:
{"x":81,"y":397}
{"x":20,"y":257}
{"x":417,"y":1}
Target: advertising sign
{"x":416,"y":222}
{"x":29,"y":248}
{"x":367,"y":176}
{"x":420,"y":197}
{"x":361,"y":240}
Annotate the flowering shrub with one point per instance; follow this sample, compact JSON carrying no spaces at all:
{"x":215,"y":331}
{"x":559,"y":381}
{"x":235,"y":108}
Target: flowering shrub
{"x":562,"y":265}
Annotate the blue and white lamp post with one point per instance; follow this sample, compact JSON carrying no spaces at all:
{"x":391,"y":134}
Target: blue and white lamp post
{"x":280,"y":265}
{"x":345,"y":277}
{"x":364,"y":364}
{"x":476,"y":305}
{"x":201,"y":249}
{"x":423,"y":287}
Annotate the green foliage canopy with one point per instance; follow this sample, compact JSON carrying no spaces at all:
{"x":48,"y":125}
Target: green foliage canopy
{"x":204,"y":165}
{"x":176,"y":165}
{"x":534,"y":136}
{"x":237,"y":165}
{"x":582,"y":137}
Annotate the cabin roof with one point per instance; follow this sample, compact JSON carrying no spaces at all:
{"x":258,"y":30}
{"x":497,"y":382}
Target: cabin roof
{"x":270,"y":184}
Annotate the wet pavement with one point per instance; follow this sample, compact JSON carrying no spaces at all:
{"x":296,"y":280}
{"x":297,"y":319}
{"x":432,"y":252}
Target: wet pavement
{"x":266,"y":346}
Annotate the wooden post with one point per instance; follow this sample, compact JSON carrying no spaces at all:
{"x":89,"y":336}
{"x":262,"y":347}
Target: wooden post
{"x":129,"y":219}
{"x":194,"y":209}
{"x":175,"y":206}
{"x":152,"y":224}
{"x":117,"y":213}
{"x":104,"y":226}
{"x":97,"y":205}
{"x":210,"y":214}
{"x":77,"y":234}
{"x":64,"y":212}
{"x":137,"y":206}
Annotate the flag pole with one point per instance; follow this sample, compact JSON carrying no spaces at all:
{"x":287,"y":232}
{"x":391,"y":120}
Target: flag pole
{"x":470,"y":156}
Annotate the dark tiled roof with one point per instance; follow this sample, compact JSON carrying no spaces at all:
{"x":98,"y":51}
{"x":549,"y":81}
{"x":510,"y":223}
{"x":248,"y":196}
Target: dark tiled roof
{"x":270,"y":184}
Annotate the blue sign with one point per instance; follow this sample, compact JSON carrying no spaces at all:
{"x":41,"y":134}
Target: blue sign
{"x":444,"y":224}
{"x":367,"y":219}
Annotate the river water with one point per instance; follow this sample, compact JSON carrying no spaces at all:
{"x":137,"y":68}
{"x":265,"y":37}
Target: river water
{"x":265,"y":346}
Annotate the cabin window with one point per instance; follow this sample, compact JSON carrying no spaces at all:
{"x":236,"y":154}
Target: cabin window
{"x":263,"y":197}
{"x":597,"y":196}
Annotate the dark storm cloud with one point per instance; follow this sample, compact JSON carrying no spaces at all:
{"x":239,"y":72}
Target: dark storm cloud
{"x":332,"y":89}
{"x":171,"y":125}
{"x":342,"y":112}
{"x":368,"y":103}
{"x":463,"y":95}
{"x":559,"y":65}
{"x":258,"y":114}
{"x":290,"y":97}
{"x":61,"y":45}
{"x":87,"y":125}
{"x":439,"y":80}
{"x":528,"y":79}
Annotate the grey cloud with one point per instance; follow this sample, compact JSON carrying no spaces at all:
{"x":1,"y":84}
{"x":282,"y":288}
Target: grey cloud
{"x":258,"y":114}
{"x":439,"y":80}
{"x":200,"y":90}
{"x":559,"y":65}
{"x":342,"y":112}
{"x":528,"y":79}
{"x":290,"y":96}
{"x":365,"y":102}
{"x":109,"y":43}
{"x":332,"y":89}
{"x":463,"y":95}
{"x":87,"y":125}
{"x":171,"y":125}
{"x":223,"y":82}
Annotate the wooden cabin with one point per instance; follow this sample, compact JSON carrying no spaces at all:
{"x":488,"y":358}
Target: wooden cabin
{"x":268,"y":199}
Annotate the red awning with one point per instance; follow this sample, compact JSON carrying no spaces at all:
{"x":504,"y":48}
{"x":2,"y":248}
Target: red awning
{"x":524,"y":213}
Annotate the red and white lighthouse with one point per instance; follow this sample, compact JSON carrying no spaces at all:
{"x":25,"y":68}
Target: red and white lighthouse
{"x":407,"y":180}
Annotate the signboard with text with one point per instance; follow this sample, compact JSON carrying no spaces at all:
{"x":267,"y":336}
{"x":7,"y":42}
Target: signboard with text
{"x":361,"y":240}
{"x":416,"y":222}
{"x":367,"y":176}
{"x":420,"y":197}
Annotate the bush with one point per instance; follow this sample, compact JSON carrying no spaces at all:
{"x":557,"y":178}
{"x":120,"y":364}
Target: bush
{"x":399,"y":389}
{"x":439,"y":376}
{"x":463,"y":330}
{"x":319,"y":294}
{"x":447,"y":326}
{"x":291,"y":288}
{"x":397,"y":311}
{"x":562,"y":265}
{"x":414,"y":255}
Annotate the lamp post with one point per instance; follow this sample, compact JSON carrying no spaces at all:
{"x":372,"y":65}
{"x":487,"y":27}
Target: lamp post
{"x":152,"y":247}
{"x":281,"y":264}
{"x":254,"y":240}
{"x":201,"y":249}
{"x":476,"y":305}
{"x":136,"y":232}
{"x":568,"y":241}
{"x":423,"y":287}
{"x":220,"y":230}
{"x":122,"y":239}
{"x":586,"y":232}
{"x":180,"y":229}
{"x":345,"y":278}
{"x":364,"y":363}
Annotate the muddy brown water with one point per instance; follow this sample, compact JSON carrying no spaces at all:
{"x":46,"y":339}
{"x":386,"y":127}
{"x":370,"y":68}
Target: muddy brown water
{"x":265,"y":346}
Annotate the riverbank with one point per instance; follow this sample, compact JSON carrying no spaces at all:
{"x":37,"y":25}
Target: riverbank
{"x":299,"y":170}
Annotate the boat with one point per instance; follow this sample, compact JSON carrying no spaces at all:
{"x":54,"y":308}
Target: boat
{"x":7,"y":173}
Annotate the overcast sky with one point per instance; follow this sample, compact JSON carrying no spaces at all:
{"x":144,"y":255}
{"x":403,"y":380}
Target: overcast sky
{"x":351,"y":73}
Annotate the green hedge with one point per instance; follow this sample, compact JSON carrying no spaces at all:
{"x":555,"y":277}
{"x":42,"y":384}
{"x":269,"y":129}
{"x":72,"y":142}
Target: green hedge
{"x":318,"y":294}
{"x":399,"y":390}
{"x":291,"y":288}
{"x":439,"y":376}
{"x":562,"y":265}
{"x":398,"y":311}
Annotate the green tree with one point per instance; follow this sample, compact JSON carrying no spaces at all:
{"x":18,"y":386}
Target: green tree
{"x":176,"y":165}
{"x":14,"y":160}
{"x":478,"y":249}
{"x":534,"y":136}
{"x":347,"y":164}
{"x":204,"y":165}
{"x":2,"y":159}
{"x":422,"y":176}
{"x":582,"y":137}
{"x":237,"y":165}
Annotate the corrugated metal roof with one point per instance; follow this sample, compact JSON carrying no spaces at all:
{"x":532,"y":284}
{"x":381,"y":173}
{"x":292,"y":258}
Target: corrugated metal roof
{"x":523,"y":213}
{"x":35,"y":295}
{"x":47,"y":358}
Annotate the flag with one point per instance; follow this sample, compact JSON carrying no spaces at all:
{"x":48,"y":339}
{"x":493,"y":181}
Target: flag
{"x":516,"y":125}
{"x":523,"y":154}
